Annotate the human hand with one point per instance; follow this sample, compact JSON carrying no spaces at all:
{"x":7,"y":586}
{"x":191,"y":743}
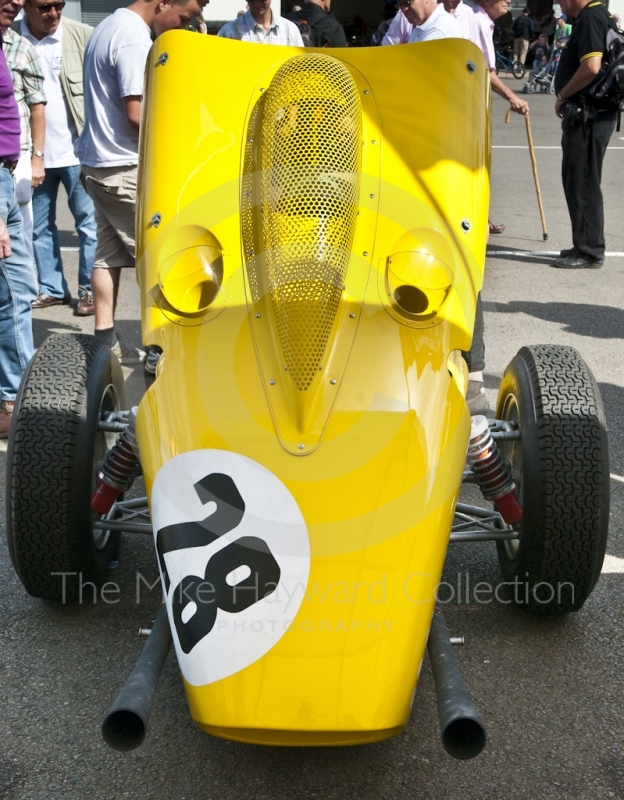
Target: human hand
{"x":558,"y":106}
{"x":519,"y":106}
{"x":5,"y":241}
{"x":38,"y":172}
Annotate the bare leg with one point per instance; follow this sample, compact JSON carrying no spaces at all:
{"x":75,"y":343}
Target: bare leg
{"x":105,"y":285}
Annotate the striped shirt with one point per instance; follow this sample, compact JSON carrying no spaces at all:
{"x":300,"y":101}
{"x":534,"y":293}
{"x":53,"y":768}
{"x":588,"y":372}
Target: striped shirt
{"x":245,"y":29}
{"x":27,"y":76}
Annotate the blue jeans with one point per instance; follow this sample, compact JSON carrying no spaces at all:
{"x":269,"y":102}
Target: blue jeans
{"x":45,"y":233}
{"x":18,"y":288}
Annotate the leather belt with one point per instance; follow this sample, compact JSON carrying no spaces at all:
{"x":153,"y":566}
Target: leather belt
{"x":8,"y":164}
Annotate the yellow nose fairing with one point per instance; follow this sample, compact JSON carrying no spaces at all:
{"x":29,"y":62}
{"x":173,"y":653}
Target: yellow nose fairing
{"x":325,"y":212}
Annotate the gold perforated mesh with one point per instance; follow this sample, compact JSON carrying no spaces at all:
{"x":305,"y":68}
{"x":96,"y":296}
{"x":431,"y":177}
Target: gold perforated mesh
{"x":309,"y":159}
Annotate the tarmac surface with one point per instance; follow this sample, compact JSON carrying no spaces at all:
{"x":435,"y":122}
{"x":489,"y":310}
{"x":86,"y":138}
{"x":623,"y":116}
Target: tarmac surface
{"x":550,"y":691}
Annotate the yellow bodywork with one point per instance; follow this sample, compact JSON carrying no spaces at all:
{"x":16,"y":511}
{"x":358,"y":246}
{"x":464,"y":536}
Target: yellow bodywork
{"x":311,"y":277}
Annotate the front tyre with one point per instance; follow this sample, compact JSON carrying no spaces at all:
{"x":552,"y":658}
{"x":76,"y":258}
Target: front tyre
{"x":561,"y":469}
{"x":54,"y":453}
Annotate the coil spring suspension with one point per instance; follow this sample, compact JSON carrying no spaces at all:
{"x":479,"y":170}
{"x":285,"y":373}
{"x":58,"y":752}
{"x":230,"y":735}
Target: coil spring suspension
{"x":491,"y":473}
{"x":121,"y":466}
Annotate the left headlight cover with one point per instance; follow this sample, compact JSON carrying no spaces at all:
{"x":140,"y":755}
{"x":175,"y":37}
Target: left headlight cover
{"x":191,"y":278}
{"x":417,"y":284}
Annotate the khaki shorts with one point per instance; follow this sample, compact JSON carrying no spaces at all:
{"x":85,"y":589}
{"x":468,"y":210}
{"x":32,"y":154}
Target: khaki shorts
{"x":113,"y":191}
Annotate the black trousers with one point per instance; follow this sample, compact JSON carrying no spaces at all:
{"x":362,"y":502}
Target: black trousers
{"x":475,"y":357}
{"x":584,"y":144}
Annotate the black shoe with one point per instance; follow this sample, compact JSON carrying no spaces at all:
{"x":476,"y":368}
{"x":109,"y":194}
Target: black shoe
{"x":571,"y":251}
{"x":578,"y":262}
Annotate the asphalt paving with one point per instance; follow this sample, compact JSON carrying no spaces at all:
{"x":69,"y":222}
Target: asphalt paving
{"x":549,"y":690}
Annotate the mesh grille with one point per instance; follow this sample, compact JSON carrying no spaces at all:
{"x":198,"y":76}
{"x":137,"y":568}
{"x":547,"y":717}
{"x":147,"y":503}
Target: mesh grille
{"x":308,"y":189}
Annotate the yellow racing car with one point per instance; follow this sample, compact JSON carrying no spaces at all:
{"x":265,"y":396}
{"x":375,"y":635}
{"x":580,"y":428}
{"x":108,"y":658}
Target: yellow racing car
{"x":311,"y":235}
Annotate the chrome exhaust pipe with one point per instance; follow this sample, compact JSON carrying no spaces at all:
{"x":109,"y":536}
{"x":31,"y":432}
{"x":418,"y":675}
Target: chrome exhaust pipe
{"x":463,"y":734}
{"x":125,"y":725}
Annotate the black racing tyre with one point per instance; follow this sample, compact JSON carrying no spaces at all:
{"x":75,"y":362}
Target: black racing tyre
{"x":561,"y":470}
{"x":54,"y":452}
{"x":518,"y":70}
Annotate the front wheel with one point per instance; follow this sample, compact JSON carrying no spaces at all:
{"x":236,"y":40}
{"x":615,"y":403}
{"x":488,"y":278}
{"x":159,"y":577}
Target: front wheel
{"x":55,"y":450}
{"x":561,"y":470}
{"x":518,"y":70}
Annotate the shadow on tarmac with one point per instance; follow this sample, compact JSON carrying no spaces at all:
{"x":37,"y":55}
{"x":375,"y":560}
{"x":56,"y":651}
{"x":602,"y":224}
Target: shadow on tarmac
{"x":583,"y":319}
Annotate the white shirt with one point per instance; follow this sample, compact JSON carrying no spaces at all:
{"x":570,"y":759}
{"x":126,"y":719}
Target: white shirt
{"x":399,"y":31}
{"x":246,"y":29}
{"x":485,"y":36}
{"x":440,"y":25}
{"x":466,"y":18}
{"x":114,"y":65}
{"x":60,"y":133}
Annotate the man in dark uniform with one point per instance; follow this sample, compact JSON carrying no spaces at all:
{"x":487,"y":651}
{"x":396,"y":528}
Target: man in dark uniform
{"x":328,"y":32}
{"x":586,"y":132}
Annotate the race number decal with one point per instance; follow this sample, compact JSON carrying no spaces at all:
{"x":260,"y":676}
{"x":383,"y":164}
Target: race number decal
{"x":234,"y":559}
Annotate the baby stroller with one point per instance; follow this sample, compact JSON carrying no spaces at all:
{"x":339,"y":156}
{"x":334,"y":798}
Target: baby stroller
{"x":544,"y":78}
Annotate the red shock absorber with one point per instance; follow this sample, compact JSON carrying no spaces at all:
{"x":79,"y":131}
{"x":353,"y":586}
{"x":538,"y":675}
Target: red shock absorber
{"x":491,"y":473}
{"x":121,"y":466}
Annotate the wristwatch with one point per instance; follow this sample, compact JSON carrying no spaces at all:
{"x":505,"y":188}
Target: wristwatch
{"x":38,"y":153}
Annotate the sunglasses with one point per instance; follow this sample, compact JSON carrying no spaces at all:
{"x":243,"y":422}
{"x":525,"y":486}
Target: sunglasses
{"x":45,"y":8}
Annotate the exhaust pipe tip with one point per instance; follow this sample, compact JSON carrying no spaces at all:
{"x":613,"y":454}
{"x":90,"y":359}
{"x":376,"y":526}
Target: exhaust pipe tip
{"x":123,"y":730}
{"x":463,"y":734}
{"x":464,"y":738}
{"x":125,"y":725}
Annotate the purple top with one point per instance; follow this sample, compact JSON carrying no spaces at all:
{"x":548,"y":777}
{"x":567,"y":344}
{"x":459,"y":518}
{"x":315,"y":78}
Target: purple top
{"x":9,"y":114}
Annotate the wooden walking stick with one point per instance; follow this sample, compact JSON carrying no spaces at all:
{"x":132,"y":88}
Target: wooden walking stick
{"x":535,"y":175}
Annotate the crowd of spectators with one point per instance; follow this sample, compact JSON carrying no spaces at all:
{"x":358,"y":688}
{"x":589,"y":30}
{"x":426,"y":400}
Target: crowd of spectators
{"x":70,"y":110}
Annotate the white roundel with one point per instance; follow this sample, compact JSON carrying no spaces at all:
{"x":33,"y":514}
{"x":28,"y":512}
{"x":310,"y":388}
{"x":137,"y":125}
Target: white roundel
{"x":234,"y":557}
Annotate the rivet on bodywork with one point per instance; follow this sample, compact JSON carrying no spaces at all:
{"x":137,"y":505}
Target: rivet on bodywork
{"x":301,"y":446}
{"x":272,"y":381}
{"x":155,"y":220}
{"x":372,"y":196}
{"x":333,"y":381}
{"x":366,"y":91}
{"x":163,"y":58}
{"x":465,"y":225}
{"x":263,"y":89}
{"x":374,"y":141}
{"x":258,"y":315}
{"x":286,"y":367}
{"x":352,"y":316}
{"x":365,"y":253}
{"x":470,"y":67}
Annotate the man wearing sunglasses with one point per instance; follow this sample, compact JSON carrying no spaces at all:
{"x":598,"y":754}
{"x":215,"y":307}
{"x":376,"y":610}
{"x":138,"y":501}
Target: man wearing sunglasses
{"x":60,"y":45}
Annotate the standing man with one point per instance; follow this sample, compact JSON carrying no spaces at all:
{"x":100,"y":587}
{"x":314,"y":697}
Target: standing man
{"x":430,"y":20}
{"x":486,"y":12}
{"x":259,"y":24}
{"x":399,"y":31}
{"x":60,"y":46}
{"x":522,"y":28}
{"x":465,"y":16}
{"x":27,"y":79}
{"x":586,"y":131}
{"x":108,"y":148}
{"x":17,"y":279}
{"x":328,"y":32}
